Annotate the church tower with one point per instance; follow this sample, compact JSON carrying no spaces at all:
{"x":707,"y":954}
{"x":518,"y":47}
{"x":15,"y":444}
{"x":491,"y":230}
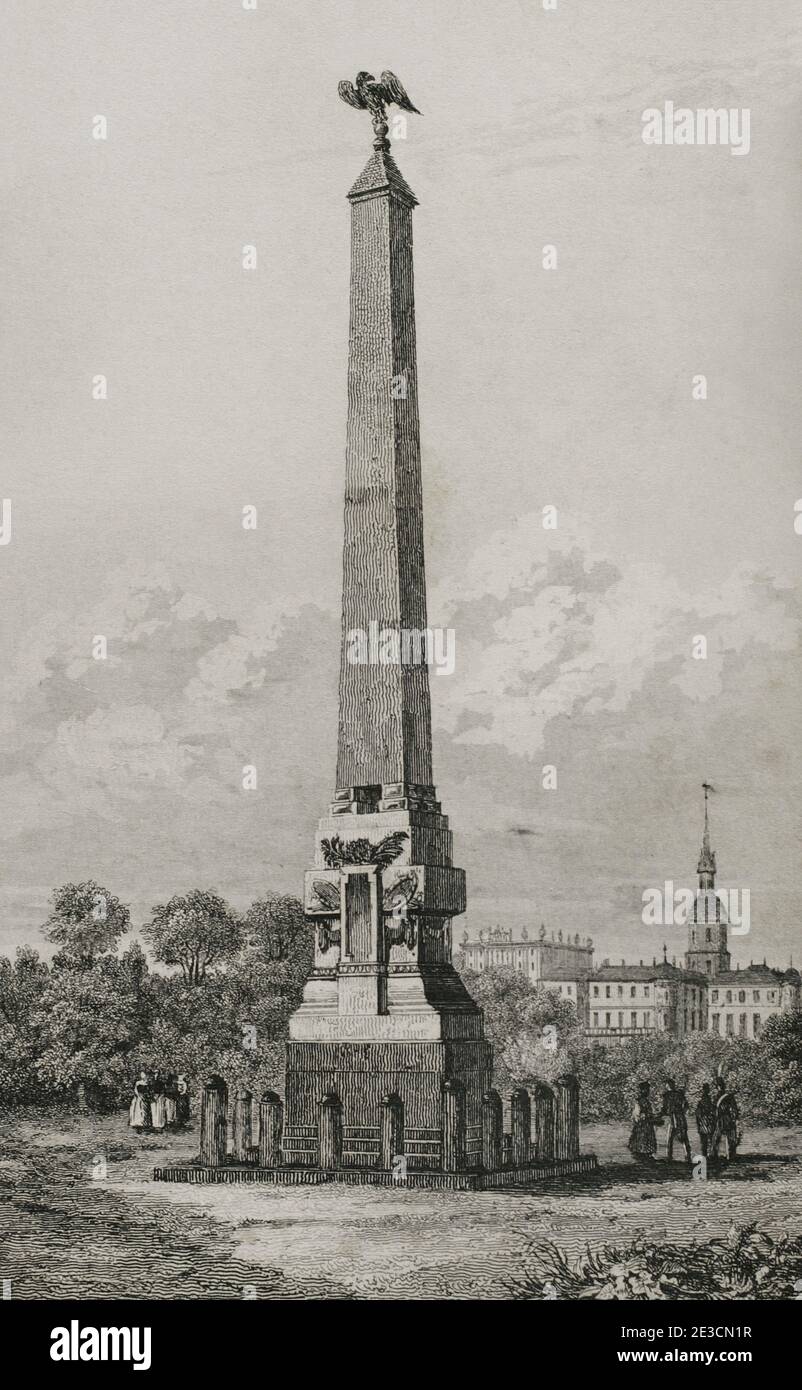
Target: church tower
{"x":707,"y":951}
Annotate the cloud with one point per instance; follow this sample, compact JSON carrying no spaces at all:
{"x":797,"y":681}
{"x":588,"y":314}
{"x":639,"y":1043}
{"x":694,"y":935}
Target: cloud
{"x":546,"y":628}
{"x":121,"y":752}
{"x":175,"y":710}
{"x":131,"y":769}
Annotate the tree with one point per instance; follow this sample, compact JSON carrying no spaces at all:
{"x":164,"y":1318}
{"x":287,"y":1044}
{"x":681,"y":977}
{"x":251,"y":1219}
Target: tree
{"x":90,"y":1020}
{"x":519,"y":1017}
{"x":277,"y":930}
{"x":782,"y":1037}
{"x":233,"y":1021}
{"x":192,"y":1026}
{"x":21,"y":988}
{"x":86,"y":921}
{"x":609,"y":1076}
{"x":771,"y":1086}
{"x":278,"y":958}
{"x":194,"y":932}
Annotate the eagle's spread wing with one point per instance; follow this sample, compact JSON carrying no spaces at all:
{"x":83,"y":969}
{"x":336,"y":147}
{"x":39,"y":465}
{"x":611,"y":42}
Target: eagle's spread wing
{"x":394,"y":91}
{"x":349,"y":93}
{"x":327,"y":893}
{"x":401,"y":893}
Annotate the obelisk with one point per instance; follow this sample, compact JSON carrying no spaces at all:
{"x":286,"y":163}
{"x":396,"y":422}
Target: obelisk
{"x":385,"y":1018}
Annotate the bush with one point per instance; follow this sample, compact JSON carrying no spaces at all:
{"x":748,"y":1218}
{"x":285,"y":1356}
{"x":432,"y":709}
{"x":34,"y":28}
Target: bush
{"x":748,"y":1264}
{"x":531,"y":1028}
{"x":766,"y":1074}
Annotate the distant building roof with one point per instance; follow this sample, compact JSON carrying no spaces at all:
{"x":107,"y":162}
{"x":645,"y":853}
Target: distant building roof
{"x":756,"y":975}
{"x":507,"y":940}
{"x":663,"y":971}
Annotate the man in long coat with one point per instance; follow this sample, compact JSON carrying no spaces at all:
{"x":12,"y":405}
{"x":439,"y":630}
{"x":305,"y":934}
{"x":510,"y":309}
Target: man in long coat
{"x":675,"y":1110}
{"x":727,"y":1116}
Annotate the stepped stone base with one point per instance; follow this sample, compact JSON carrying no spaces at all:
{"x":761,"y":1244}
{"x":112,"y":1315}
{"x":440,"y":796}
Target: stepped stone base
{"x":361,"y":1074}
{"x":434,"y":1181}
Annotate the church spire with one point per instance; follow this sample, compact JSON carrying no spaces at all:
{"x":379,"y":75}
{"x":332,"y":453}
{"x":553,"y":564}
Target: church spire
{"x":706,"y":868}
{"x":707,"y":951}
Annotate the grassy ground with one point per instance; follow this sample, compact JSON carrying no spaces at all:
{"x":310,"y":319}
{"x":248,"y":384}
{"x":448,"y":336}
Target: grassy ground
{"x":81,"y":1217}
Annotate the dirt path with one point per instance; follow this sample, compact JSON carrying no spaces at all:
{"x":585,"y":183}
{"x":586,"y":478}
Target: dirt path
{"x":69,"y":1230}
{"x":80,"y":1215}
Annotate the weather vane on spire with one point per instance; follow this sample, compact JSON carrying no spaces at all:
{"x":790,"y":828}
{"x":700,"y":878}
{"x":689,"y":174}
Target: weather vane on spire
{"x":366,"y":94}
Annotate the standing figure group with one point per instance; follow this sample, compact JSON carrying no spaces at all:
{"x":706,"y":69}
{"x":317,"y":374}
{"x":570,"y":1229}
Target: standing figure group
{"x":716,"y":1120}
{"x":161,"y":1101}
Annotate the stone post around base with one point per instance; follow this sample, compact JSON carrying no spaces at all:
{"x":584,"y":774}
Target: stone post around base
{"x":391,"y":1131}
{"x":492,"y":1129}
{"x":214,"y":1104}
{"x":242,"y":1127}
{"x":271,"y":1125}
{"x":521,"y":1127}
{"x":566,"y":1119}
{"x":544,"y":1122}
{"x":453,"y":1127}
{"x":330,"y":1133}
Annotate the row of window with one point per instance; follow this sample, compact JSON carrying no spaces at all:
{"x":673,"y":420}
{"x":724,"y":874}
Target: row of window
{"x":729,"y":1024}
{"x":633,"y":1020}
{"x":633,"y":989}
{"x":771,"y":996}
{"x":483,"y":958}
{"x":692,"y":1020}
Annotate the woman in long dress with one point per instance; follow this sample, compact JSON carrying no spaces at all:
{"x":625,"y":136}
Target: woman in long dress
{"x":158,"y":1104}
{"x":139,"y":1110}
{"x":643,"y":1139}
{"x":171,"y":1100}
{"x":182,"y":1090}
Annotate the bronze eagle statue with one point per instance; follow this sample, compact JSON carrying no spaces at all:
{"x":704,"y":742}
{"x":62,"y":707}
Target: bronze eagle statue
{"x":366,"y":94}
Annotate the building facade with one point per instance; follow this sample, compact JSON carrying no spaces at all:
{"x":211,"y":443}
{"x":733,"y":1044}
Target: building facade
{"x":641,"y":1001}
{"x":741,"y":1001}
{"x":619,"y":1003}
{"x":556,"y":963}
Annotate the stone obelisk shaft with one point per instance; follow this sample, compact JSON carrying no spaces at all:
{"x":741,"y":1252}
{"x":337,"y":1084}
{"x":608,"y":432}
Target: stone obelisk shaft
{"x":385,"y":719}
{"x":385,"y":1019}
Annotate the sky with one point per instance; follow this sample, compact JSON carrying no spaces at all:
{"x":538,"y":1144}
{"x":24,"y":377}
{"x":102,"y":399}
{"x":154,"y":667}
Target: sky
{"x":570,"y":388}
